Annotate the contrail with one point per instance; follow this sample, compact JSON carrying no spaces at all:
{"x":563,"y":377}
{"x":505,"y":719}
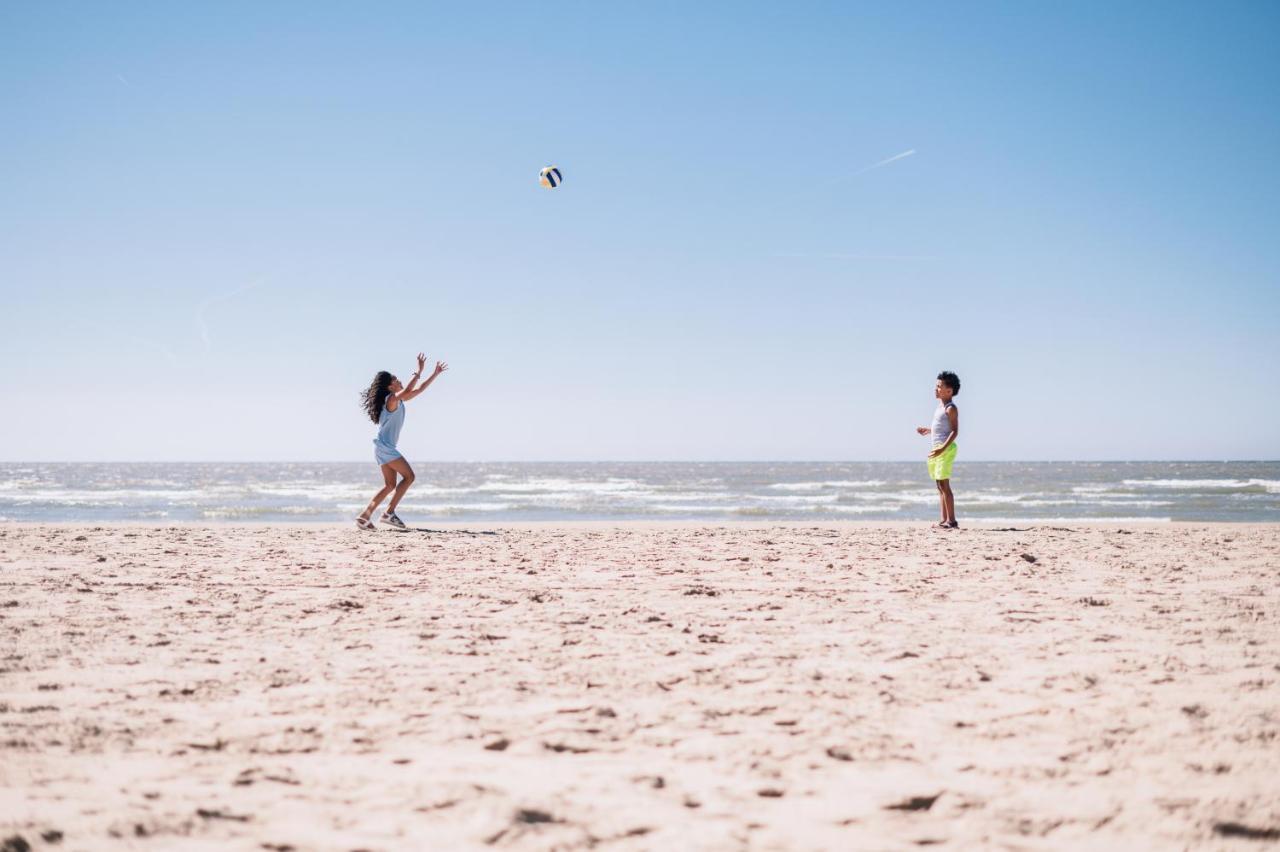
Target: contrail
{"x":121,"y":78}
{"x":213,"y":300}
{"x":873,"y":166}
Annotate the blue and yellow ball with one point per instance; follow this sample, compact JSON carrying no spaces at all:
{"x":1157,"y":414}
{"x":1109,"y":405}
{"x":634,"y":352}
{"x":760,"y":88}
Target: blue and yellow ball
{"x":550,"y":177}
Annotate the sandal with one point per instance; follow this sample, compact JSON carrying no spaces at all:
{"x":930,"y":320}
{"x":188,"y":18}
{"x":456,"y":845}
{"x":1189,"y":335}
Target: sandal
{"x":366,"y":524}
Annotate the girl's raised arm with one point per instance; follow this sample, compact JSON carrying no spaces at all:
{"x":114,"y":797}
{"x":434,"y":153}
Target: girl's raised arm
{"x":407,"y":392}
{"x":441,"y":366}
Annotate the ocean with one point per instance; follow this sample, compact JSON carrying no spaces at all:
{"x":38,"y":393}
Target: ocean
{"x":697,"y":491}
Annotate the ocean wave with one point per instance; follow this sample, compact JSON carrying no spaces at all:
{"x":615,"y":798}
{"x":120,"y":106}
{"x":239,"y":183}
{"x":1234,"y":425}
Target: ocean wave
{"x":678,"y":496}
{"x":829,"y":483}
{"x":796,"y":499}
{"x":1036,"y":519}
{"x":315,"y":492}
{"x":607,"y":486}
{"x":920,"y":496}
{"x":769,"y":511}
{"x":17,"y":484}
{"x":216,"y":513}
{"x":1135,"y":504}
{"x":455,"y":508}
{"x":408,"y":505}
{"x":1269,"y":486}
{"x":672,"y":508}
{"x":864,"y":510}
{"x":92,"y":497}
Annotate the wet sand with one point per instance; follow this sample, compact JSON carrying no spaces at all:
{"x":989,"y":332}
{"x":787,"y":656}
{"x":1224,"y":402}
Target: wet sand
{"x":640,"y":686}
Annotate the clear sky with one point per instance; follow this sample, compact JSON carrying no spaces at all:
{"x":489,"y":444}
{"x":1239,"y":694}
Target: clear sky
{"x":217,"y":221}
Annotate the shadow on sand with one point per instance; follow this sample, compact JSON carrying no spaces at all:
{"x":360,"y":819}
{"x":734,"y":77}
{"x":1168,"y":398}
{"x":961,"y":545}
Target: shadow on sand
{"x":442,"y":532}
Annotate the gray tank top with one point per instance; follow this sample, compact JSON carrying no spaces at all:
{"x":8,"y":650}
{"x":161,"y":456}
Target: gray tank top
{"x":941,"y":424}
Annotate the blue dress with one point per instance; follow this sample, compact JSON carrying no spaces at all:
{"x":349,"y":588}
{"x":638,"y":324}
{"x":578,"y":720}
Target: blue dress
{"x":389,"y":423}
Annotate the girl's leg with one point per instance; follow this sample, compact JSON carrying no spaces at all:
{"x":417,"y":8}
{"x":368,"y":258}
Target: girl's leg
{"x":400,"y":466}
{"x":389,"y":485}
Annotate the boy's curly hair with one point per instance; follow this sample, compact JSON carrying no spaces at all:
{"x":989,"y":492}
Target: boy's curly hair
{"x":951,"y":380}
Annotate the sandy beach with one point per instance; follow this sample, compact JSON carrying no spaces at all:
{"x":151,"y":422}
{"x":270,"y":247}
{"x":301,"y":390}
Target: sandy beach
{"x":634,"y":686}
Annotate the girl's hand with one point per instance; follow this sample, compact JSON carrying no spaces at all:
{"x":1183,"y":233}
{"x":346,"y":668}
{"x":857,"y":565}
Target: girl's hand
{"x":922,"y":430}
{"x":422,"y":361}
{"x":440,"y":368}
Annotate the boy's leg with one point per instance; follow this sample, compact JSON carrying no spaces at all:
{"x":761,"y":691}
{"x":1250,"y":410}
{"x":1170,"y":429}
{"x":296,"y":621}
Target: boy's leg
{"x":942,"y":497}
{"x":948,"y":500}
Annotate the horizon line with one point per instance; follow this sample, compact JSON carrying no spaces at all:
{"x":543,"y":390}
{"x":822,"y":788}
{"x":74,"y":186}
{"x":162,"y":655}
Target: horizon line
{"x":665,"y":461}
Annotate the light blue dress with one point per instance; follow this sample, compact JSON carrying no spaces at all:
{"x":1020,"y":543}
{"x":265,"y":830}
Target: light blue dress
{"x":389,"y":423}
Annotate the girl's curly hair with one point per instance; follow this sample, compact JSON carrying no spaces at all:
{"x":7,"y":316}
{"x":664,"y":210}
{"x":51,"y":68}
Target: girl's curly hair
{"x":375,"y":396}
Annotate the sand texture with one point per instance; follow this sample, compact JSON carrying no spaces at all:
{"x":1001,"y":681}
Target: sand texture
{"x":837,"y":687}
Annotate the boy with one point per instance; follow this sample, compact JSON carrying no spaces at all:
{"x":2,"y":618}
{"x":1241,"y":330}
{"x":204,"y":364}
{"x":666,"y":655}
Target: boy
{"x":946,"y":426}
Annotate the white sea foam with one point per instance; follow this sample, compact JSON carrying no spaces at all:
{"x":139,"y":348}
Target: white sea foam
{"x":920,"y":496}
{"x":828,"y":483}
{"x":226,"y":512}
{"x":17,"y":484}
{"x":94,"y":497}
{"x":795,"y":499}
{"x":678,"y":496}
{"x":679,"y":508}
{"x":608,"y":486}
{"x":1035,"y":519}
{"x":318,"y":491}
{"x":1270,"y":486}
{"x":408,"y":506}
{"x":1135,"y":504}
{"x":864,"y":510}
{"x":452,"y":508}
{"x":988,"y":498}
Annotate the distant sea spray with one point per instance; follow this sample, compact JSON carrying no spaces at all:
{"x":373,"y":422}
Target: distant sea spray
{"x":711,"y":491}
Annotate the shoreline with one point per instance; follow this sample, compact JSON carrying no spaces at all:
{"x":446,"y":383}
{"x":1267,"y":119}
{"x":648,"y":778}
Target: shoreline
{"x":745,"y":523}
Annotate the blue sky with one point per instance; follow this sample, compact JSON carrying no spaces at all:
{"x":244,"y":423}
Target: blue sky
{"x":217,"y":221}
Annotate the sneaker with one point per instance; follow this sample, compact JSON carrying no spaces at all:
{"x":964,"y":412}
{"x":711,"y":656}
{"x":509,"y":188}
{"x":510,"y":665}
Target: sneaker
{"x":393,"y":520}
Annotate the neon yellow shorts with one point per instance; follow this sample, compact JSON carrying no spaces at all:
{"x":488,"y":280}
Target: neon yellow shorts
{"x":940,"y":466}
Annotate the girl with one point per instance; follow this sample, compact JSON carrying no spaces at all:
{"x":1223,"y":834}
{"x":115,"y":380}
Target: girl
{"x":384,"y":403}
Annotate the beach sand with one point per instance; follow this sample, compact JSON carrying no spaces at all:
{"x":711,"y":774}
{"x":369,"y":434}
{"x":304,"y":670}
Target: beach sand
{"x":640,"y":686}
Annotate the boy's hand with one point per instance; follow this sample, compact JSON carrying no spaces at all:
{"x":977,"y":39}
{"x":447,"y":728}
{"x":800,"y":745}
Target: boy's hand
{"x":922,"y":430}
{"x":936,"y":452}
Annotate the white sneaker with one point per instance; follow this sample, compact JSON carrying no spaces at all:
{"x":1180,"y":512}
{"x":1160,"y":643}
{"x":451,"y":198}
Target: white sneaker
{"x":393,"y":520}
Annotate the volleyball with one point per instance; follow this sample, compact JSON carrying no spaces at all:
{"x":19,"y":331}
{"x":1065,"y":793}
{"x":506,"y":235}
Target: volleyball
{"x":549,"y":177}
